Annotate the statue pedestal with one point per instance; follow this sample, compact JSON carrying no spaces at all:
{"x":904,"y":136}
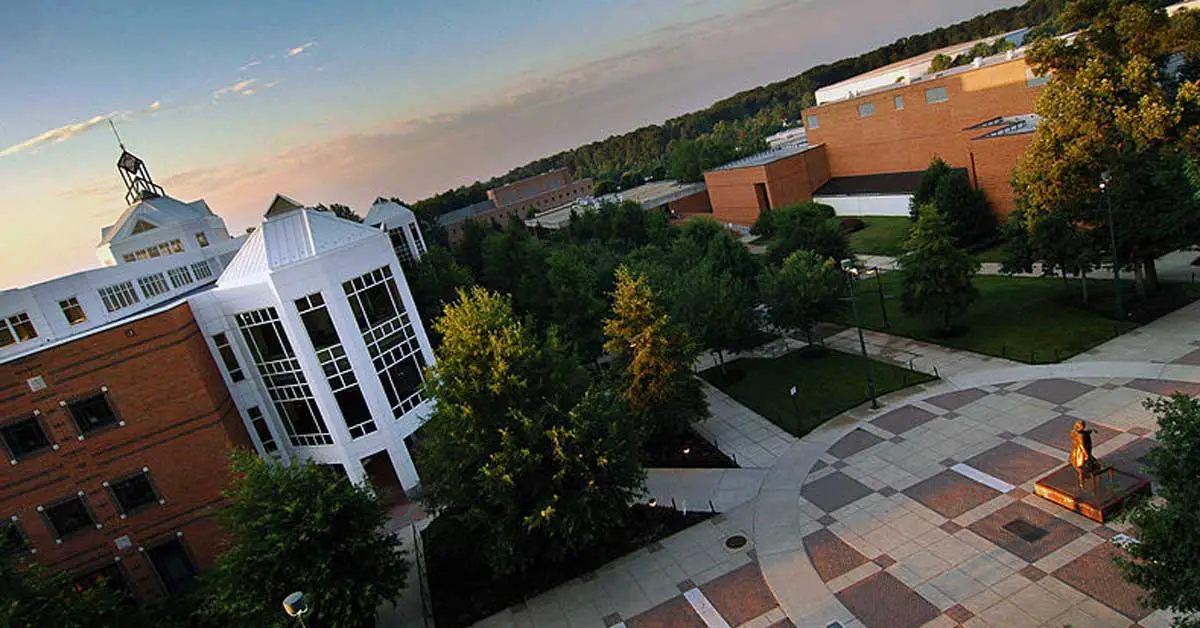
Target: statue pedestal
{"x":1097,"y":500}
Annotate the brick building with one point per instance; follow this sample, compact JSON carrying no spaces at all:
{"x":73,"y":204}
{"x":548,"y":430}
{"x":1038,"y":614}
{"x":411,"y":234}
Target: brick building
{"x":869,"y":140}
{"x":538,"y":193}
{"x":117,"y":444}
{"x":123,"y":388}
{"x":741,"y":190}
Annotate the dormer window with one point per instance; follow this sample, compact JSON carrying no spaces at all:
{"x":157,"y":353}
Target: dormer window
{"x":142,"y":226}
{"x":202,"y":239}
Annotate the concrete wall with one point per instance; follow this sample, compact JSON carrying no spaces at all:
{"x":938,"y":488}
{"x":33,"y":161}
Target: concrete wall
{"x":906,"y":140}
{"x":179,"y":422}
{"x":868,"y":205}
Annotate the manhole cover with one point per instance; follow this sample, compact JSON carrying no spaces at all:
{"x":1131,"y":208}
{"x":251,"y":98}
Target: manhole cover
{"x":1025,"y":530}
{"x":736,"y":541}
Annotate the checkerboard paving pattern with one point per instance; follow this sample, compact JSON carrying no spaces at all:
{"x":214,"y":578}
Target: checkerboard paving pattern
{"x":901,"y":538}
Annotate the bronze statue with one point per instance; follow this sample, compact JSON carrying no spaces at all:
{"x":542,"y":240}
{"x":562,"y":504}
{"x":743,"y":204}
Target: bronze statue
{"x":1081,"y":452}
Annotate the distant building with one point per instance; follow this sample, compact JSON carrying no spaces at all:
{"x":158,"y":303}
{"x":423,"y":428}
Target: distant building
{"x":123,"y":387}
{"x":797,"y":136}
{"x":537,"y":193}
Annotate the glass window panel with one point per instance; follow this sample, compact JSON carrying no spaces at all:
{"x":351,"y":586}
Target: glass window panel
{"x":24,"y":437}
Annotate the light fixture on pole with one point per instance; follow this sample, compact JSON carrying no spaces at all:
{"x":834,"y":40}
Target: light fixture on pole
{"x":296,"y":606}
{"x":851,"y":273}
{"x":1105,"y":177}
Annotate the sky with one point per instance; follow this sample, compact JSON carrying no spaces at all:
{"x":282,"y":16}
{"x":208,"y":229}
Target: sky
{"x":328,"y":101}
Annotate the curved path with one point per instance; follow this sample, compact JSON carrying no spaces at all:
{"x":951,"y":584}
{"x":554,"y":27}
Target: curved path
{"x":904,"y":517}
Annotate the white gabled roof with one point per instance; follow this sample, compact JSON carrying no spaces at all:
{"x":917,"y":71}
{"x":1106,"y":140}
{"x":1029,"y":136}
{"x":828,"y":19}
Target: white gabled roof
{"x":288,"y":237}
{"x":161,"y":212}
{"x":388,"y":212}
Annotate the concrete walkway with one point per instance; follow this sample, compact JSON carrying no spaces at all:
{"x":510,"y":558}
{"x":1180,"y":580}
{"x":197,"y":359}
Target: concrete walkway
{"x":717,"y":490}
{"x":1172,"y":338}
{"x":1175,"y":266}
{"x":741,"y":433}
{"x":918,"y":355}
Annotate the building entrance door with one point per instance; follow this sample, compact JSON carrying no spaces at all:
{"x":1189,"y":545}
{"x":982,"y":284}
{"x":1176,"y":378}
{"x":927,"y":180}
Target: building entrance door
{"x":378,"y":467}
{"x":760,"y":194}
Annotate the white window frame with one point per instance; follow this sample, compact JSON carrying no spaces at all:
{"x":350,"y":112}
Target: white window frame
{"x":72,"y":303}
{"x":153,"y":285}
{"x":8,"y":329}
{"x":336,"y":366}
{"x":119,"y":296}
{"x":930,"y":99}
{"x":202,"y":270}
{"x":813,"y":121}
{"x":898,"y":103}
{"x":180,"y":276}
{"x":385,"y":347}
{"x":866,"y":109}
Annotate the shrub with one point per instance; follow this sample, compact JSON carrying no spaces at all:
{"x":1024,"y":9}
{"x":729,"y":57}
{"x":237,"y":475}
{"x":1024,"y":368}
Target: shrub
{"x":850,"y":225}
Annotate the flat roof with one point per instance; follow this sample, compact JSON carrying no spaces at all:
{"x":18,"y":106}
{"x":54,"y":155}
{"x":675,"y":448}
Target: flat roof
{"x":658,"y":193}
{"x":462,"y":213}
{"x":768,"y":156}
{"x":889,"y":183}
{"x":556,"y":217}
{"x":921,"y":58}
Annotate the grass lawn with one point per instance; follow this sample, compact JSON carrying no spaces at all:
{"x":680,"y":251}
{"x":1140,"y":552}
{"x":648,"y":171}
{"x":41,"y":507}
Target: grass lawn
{"x":992,"y":254}
{"x":1027,"y":319}
{"x":884,"y":235}
{"x":827,"y":383}
{"x":464,"y":590}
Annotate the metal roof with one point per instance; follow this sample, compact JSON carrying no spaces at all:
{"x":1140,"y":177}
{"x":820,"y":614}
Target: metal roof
{"x":161,"y":211}
{"x":657,"y":193}
{"x":289,"y":238}
{"x":388,"y":212}
{"x":463,"y":213}
{"x":768,"y":156}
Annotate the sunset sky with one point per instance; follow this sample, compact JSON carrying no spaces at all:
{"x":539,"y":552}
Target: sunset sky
{"x":345,"y":101}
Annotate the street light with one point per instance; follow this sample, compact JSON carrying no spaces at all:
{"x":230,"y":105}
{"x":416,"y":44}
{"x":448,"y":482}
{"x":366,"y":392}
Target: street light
{"x":851,"y":273}
{"x":296,"y":606}
{"x":1105,"y":177}
{"x":887,"y":324}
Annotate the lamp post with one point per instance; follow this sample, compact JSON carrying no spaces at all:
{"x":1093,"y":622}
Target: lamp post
{"x":851,"y":273}
{"x":882,"y":305}
{"x":1105,"y":177}
{"x":296,"y":606}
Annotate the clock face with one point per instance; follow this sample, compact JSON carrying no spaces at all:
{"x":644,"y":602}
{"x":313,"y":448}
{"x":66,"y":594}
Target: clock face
{"x":129,"y":163}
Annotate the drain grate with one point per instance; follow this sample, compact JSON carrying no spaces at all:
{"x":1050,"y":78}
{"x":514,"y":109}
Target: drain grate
{"x":736,"y":541}
{"x":1025,"y":531}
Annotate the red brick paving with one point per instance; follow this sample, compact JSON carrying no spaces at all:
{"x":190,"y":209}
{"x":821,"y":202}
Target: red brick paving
{"x":1013,"y":463}
{"x":853,"y":443}
{"x":1059,"y":532}
{"x":959,"y":613}
{"x":882,"y":601}
{"x":834,"y":491}
{"x":1057,"y":432}
{"x":1032,"y":573}
{"x":831,"y":556}
{"x":950,"y":493}
{"x":903,"y":419}
{"x":1056,"y":391}
{"x":674,"y":613}
{"x":957,"y":399}
{"x":740,"y":595}
{"x":1095,"y":574}
{"x":783,"y":623}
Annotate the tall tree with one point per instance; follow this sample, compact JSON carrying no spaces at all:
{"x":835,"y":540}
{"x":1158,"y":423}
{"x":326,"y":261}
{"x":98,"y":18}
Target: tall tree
{"x":1116,"y":105}
{"x":803,"y":291}
{"x":807,"y":227}
{"x":936,"y":275}
{"x":296,"y":527}
{"x":579,"y":278}
{"x":33,"y":597}
{"x":524,"y":460}
{"x":1166,"y":558}
{"x":434,"y":280}
{"x":654,"y":359}
{"x":971,"y":220}
{"x":339,"y":210}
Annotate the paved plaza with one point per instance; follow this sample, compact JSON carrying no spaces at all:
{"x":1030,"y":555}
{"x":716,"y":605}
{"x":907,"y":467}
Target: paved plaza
{"x":919,"y":514}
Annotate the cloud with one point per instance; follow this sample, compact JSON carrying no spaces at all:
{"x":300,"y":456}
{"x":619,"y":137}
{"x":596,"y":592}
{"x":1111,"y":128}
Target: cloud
{"x":301,"y":48}
{"x":60,"y":134}
{"x":241,"y":88}
{"x":154,"y":106}
{"x":250,"y":64}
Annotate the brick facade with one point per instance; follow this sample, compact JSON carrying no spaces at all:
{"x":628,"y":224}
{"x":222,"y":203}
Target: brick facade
{"x":734,"y":192}
{"x":696,"y":204}
{"x":179,"y":422}
{"x":905,"y":140}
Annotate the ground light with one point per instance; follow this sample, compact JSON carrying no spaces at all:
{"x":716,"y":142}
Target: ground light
{"x":851,"y":274}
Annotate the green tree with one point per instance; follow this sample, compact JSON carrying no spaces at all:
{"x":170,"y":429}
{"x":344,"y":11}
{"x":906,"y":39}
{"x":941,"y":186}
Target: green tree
{"x":1116,"y":106}
{"x":296,"y":527}
{"x":803,"y":291}
{"x":654,"y":359}
{"x":339,"y":210}
{"x":579,"y":278}
{"x":514,"y":263}
{"x":434,"y":280}
{"x":940,"y":63}
{"x":526,"y":462}
{"x":688,"y":159}
{"x":32,"y":596}
{"x":718,"y":309}
{"x":936,"y":275}
{"x":807,"y":227}
{"x":972,"y":222}
{"x":1166,"y":558}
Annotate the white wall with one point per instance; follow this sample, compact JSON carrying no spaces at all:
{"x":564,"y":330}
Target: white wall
{"x":868,"y":205}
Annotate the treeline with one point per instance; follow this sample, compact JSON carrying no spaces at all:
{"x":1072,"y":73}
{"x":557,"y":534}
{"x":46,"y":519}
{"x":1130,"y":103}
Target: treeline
{"x":627,"y":159}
